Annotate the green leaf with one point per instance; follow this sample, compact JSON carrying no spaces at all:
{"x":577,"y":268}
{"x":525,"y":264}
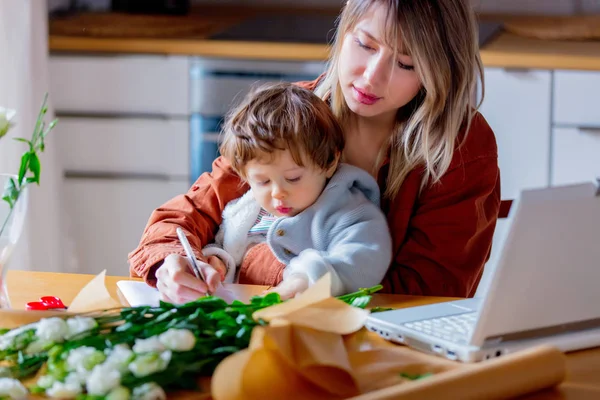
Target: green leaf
{"x":23,"y":140}
{"x":380,"y":309}
{"x":361,"y":301}
{"x":414,"y":377}
{"x":50,"y":127}
{"x":11,"y":192}
{"x":35,"y":167}
{"x":24,"y":166}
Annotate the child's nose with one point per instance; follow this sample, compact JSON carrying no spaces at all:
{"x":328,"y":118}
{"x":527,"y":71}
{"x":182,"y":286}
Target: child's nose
{"x":278,"y":193}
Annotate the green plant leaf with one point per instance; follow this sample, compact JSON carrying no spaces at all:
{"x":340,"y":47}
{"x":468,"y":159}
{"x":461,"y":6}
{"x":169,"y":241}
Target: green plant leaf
{"x":11,"y":192}
{"x":19,"y":139}
{"x":415,"y":377}
{"x":24,"y":166}
{"x":35,"y":167}
{"x":380,"y":309}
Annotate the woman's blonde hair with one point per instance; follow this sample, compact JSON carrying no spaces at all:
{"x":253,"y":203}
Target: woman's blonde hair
{"x":441,"y":37}
{"x":282,"y":116}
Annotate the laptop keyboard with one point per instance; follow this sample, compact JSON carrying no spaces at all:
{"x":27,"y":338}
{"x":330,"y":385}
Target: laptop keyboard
{"x":455,"y":328}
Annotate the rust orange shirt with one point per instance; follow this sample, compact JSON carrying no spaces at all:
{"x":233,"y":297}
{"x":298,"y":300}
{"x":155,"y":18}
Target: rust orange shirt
{"x":442,"y":235}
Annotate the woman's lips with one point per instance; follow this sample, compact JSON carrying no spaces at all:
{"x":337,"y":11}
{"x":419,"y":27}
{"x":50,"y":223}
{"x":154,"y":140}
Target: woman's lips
{"x":283,"y":210}
{"x":365,"y":97}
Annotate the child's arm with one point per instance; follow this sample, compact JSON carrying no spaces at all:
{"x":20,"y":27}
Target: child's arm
{"x":198,"y":212}
{"x":358,"y":255}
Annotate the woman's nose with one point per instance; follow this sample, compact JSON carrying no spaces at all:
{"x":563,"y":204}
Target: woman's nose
{"x":377,"y":70}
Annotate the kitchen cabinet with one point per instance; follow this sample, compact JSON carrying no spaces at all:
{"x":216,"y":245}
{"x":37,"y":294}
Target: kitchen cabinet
{"x":517,"y":106}
{"x":109,"y":215}
{"x":123,"y":139}
{"x":125,"y":146}
{"x":547,"y":126}
{"x":576,"y":127}
{"x":576,"y":155}
{"x":117,"y":85}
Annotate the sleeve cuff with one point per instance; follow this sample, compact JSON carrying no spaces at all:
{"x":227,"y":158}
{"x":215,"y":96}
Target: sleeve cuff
{"x":212,"y":250}
{"x":314,"y":266}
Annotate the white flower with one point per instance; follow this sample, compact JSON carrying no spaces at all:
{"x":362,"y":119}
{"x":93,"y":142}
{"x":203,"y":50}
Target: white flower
{"x":6,"y":342}
{"x":150,"y":363}
{"x":77,"y":377}
{"x":38,"y":346}
{"x":52,"y":330}
{"x":152,"y":344}
{"x":102,"y":380}
{"x":178,"y":339}
{"x":11,"y":338}
{"x":45,"y":381}
{"x":84,"y":358}
{"x":119,"y":357}
{"x":78,"y":325}
{"x":12,"y":388}
{"x":149,"y":391}
{"x":64,"y":390}
{"x":119,"y":393}
{"x":6,"y":115}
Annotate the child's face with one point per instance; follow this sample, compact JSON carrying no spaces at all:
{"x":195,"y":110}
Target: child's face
{"x":284,"y":188}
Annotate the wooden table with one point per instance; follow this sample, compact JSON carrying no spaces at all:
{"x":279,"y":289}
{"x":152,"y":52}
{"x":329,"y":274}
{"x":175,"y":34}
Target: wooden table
{"x":583,"y":382}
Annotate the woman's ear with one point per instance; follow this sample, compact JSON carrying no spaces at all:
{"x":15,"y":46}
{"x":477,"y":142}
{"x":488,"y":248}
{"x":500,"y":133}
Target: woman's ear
{"x":331,"y":170}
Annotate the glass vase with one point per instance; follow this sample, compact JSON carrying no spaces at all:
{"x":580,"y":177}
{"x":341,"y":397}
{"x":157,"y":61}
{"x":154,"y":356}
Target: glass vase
{"x":12,"y":222}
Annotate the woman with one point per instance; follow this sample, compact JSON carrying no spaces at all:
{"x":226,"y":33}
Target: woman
{"x":400,"y":80}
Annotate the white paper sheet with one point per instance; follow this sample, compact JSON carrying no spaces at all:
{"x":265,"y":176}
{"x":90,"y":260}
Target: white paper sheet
{"x":140,"y":294}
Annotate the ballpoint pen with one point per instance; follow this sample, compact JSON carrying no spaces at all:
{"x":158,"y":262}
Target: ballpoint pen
{"x":190,"y":255}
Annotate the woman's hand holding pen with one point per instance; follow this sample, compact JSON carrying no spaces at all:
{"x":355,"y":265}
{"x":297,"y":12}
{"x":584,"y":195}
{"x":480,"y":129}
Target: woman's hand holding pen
{"x":177,"y":283}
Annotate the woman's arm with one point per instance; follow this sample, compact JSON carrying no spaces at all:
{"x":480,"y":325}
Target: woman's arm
{"x":197,"y":212}
{"x":449,"y":235}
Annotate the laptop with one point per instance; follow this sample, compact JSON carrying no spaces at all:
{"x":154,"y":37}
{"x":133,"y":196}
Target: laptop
{"x":543,"y":290}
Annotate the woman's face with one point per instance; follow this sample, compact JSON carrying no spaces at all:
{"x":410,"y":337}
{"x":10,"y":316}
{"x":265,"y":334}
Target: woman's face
{"x":374,"y":82}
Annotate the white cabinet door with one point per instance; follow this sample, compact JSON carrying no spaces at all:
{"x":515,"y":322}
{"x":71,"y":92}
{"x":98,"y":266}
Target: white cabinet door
{"x":517,"y":106}
{"x":124,"y":84}
{"x":108,"y":218}
{"x":576,"y":155}
{"x":576,"y":98}
{"x":115,"y":146}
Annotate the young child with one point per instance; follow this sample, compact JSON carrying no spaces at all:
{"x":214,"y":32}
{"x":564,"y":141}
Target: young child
{"x":316,"y":215}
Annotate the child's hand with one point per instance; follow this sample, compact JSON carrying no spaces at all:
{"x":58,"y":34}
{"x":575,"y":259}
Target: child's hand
{"x":219,"y":265}
{"x":177,"y":283}
{"x":291,"y":286}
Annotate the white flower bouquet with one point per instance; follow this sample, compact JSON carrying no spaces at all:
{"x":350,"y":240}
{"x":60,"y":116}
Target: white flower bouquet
{"x":131,"y":353}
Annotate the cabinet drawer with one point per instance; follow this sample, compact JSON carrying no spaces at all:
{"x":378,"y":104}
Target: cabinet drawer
{"x":576,"y":155}
{"x":119,"y":84}
{"x":108,"y":218}
{"x":576,"y":98}
{"x":124,"y":146}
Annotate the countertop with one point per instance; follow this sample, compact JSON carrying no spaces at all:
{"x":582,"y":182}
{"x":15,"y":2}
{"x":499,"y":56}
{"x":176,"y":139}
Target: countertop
{"x":506,"y":50}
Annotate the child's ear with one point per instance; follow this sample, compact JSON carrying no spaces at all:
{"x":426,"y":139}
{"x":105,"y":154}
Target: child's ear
{"x":331,"y":170}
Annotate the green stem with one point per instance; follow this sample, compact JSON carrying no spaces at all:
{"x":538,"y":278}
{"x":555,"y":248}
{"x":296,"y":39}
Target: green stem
{"x":6,"y":220}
